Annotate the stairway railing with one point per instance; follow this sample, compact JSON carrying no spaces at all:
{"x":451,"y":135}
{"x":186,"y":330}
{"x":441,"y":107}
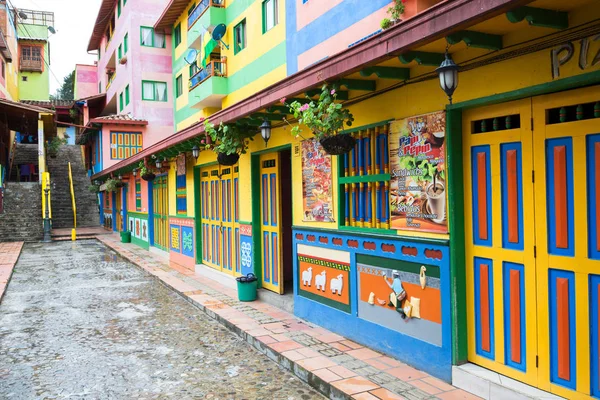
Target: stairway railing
{"x":73,"y":233}
{"x":46,"y":184}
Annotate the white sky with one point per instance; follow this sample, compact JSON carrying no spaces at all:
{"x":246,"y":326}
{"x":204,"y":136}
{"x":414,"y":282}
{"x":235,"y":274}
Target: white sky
{"x":73,"y":20}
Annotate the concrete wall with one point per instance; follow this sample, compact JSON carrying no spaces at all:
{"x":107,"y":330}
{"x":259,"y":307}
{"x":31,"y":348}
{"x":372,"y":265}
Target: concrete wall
{"x":86,"y":80}
{"x":37,"y":85}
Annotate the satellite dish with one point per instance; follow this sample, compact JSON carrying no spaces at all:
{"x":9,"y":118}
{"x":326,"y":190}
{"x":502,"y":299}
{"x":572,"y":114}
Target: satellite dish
{"x":218,"y":33}
{"x":22,"y":15}
{"x":52,"y":30}
{"x":191,"y":56}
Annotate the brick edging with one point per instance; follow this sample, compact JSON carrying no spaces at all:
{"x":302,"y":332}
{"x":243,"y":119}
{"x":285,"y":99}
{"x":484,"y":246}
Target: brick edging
{"x":12,"y":270}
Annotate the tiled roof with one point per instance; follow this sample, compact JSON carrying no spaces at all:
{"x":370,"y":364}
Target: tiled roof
{"x":120,"y":119}
{"x":170,"y":14}
{"x":107,"y":7}
{"x":49,"y":103}
{"x":32,"y":39}
{"x":24,"y":106}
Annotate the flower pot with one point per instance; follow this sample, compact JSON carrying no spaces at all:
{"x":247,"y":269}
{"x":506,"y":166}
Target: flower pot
{"x":148,"y":177}
{"x":120,"y":184}
{"x":228,"y":159}
{"x":123,"y":60}
{"x":338,"y":144}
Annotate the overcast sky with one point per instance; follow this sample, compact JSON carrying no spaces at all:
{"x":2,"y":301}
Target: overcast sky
{"x":73,"y":20}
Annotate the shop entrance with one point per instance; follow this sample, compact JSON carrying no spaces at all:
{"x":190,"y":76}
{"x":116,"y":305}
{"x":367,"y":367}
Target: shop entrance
{"x":219,"y":210}
{"x":160,"y":208}
{"x":532,"y":214}
{"x":276,"y":220}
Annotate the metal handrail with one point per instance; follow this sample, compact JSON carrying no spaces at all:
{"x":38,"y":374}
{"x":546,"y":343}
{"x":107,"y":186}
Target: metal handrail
{"x":213,"y":68}
{"x":201,"y":8}
{"x":46,"y":184}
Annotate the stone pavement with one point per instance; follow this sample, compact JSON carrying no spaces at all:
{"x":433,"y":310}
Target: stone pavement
{"x":337,"y":367}
{"x":9,"y":254}
{"x":80,"y":322}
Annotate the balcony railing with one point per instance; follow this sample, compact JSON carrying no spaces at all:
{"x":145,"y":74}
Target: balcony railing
{"x":214,"y":68}
{"x":200,"y":8}
{"x":31,"y":64}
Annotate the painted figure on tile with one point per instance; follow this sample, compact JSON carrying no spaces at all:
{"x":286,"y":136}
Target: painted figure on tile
{"x":307,"y":277}
{"x":337,"y":284}
{"x":321,"y":281}
{"x":398,"y":294}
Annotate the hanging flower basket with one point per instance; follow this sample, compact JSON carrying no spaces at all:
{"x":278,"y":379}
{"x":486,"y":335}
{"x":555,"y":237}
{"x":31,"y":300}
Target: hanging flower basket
{"x":148,"y":177}
{"x":120,"y":184}
{"x":338,"y":144}
{"x":228,"y":159}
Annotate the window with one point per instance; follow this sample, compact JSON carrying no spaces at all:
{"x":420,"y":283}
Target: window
{"x":138,"y":195}
{"x":191,"y":9}
{"x":149,"y":38}
{"x":194,"y":69}
{"x":120,"y":51}
{"x":363,"y":176}
{"x":124,"y":2}
{"x":125,"y":144}
{"x":179,"y":86}
{"x":24,"y":78}
{"x":177,"y":35}
{"x":121,"y":106}
{"x":239,"y":37}
{"x":119,"y":8}
{"x":126,"y":43}
{"x":127,"y":95}
{"x":154,"y":91}
{"x":99,"y":87}
{"x":269,"y":14}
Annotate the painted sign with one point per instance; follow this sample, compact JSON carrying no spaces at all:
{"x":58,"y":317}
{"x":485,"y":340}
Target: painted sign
{"x":245,"y":256}
{"x":418,"y":174}
{"x":182,"y":239}
{"x":562,"y":54}
{"x":187,"y":241}
{"x":401,"y":296}
{"x":324,"y":276}
{"x":317,"y":191}
{"x":175,"y":245}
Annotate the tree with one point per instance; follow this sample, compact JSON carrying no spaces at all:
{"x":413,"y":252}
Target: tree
{"x":67,"y":90}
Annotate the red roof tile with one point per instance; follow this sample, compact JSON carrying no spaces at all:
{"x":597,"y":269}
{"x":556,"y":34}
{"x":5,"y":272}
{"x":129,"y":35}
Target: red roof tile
{"x":126,"y":119}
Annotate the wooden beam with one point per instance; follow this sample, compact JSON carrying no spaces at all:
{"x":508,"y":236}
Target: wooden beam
{"x":540,"y":17}
{"x":387,"y":72}
{"x":279,"y":109}
{"x":422,"y":58}
{"x":476,"y":39}
{"x":342,"y":95}
{"x":270,"y":116}
{"x":357,"y":84}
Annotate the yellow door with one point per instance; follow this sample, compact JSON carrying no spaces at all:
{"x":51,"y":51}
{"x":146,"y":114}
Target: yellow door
{"x":499,"y":238}
{"x":160,"y":197}
{"x":270,"y":222}
{"x":219,"y":188}
{"x":567,"y":168}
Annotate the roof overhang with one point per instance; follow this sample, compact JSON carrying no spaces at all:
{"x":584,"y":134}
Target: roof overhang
{"x":4,"y":48}
{"x":170,"y":14}
{"x":117,"y":122}
{"x":432,"y":24}
{"x":106,"y":9}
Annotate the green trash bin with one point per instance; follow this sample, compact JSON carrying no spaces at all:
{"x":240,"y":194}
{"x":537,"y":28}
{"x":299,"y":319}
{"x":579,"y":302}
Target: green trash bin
{"x":246,"y":286}
{"x":125,"y":237}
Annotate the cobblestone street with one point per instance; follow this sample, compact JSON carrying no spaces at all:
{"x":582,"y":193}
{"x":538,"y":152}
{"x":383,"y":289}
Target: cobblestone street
{"x":77,"y":321}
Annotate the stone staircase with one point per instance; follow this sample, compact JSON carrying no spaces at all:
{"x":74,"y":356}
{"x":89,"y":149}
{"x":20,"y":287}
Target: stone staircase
{"x":22,"y":217}
{"x":24,"y":154}
{"x":86,"y":202}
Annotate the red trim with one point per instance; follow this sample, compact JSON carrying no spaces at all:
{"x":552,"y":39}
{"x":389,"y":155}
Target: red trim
{"x":484,"y":306}
{"x":482,"y":199}
{"x":515,"y":316}
{"x":562,"y":307}
{"x":560,"y":196}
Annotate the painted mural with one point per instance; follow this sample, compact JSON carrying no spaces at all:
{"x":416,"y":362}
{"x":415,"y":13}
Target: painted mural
{"x":137,"y":224}
{"x":181,"y":241}
{"x":324,"y":276}
{"x":245,"y":257}
{"x":400,"y":295}
{"x":317,"y":191}
{"x":418,"y":175}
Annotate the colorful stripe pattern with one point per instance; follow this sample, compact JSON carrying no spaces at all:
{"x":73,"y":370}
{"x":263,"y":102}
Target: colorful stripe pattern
{"x":181,"y":194}
{"x":512,"y":196}
{"x":484,"y":307}
{"x":482,"y":195}
{"x":559,"y":157}
{"x":514,"y":315}
{"x":593,"y":184}
{"x":562,"y":328}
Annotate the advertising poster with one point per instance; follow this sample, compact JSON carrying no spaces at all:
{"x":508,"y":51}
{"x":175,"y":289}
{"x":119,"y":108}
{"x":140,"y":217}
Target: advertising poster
{"x":317,"y":188}
{"x":418,"y":174}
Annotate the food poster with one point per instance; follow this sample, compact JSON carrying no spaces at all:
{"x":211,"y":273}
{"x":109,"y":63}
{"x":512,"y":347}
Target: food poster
{"x":317,"y":190}
{"x":401,"y":296}
{"x":418,"y":174}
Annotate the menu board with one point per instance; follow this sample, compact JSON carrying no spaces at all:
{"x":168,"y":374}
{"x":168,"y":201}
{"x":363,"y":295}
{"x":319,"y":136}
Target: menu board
{"x":317,"y":191}
{"x":418,"y":174}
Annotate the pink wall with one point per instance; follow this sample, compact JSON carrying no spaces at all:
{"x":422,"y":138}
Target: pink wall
{"x":131,"y":194}
{"x":86,"y":81}
{"x":106,"y":149}
{"x":311,"y":10}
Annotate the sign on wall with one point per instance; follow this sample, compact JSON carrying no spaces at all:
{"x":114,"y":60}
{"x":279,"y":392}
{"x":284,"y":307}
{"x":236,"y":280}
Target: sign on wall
{"x":324,"y":276}
{"x":317,"y":191}
{"x":245,"y":256}
{"x":418,"y":173}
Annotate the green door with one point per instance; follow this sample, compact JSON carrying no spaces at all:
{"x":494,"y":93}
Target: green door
{"x":160,"y":210}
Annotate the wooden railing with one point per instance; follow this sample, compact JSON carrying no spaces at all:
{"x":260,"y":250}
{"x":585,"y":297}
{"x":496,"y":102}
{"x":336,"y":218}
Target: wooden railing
{"x":31,"y":64}
{"x":214,"y":68}
{"x":201,"y":8}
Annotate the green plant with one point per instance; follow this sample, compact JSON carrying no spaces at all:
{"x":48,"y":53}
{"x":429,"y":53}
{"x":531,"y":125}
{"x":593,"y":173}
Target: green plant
{"x":324,"y":117}
{"x":53,"y":145}
{"x":142,"y":169}
{"x":385,"y":23}
{"x":228,"y":138}
{"x":396,"y":10}
{"x":111,"y":185}
{"x":94,"y":188}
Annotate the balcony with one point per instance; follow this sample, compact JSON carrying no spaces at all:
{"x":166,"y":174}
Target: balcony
{"x":31,"y":64}
{"x":201,"y":8}
{"x":209,"y":85}
{"x":111,"y":78}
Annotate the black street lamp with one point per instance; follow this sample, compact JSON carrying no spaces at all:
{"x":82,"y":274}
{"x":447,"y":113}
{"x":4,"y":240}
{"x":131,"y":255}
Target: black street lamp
{"x":265,"y":131}
{"x":448,"y":73}
{"x":158,"y":164}
{"x":134,"y":172}
{"x":196,"y":151}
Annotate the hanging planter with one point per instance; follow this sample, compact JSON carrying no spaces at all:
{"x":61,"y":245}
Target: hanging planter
{"x":228,"y":159}
{"x":338,"y":144}
{"x":120,"y":184}
{"x":145,"y":173}
{"x":148,"y":176}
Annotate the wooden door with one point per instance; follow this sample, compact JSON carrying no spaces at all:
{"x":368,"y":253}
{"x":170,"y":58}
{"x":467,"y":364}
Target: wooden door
{"x":270,"y":222}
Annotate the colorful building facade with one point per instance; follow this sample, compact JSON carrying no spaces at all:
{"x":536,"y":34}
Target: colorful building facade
{"x":468,"y":208}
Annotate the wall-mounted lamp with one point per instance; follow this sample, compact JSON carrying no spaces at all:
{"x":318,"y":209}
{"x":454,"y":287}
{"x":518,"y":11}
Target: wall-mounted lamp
{"x":448,"y":73}
{"x":265,"y":131}
{"x":196,"y":151}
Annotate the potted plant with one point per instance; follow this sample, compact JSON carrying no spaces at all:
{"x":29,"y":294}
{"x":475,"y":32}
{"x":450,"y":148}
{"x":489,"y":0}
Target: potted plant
{"x":146,"y":173}
{"x":386,"y":23}
{"x":111,"y":185}
{"x":120,"y":183}
{"x":395,"y":11}
{"x":53,"y":146}
{"x":326,"y":119}
{"x":94,"y":188}
{"x":228,"y":141}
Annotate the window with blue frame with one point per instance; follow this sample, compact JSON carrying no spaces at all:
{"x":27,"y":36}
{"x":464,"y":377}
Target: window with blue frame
{"x":125,"y":144}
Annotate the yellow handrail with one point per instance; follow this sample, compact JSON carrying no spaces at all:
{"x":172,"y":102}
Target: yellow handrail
{"x":46,"y":184}
{"x":73,"y":234}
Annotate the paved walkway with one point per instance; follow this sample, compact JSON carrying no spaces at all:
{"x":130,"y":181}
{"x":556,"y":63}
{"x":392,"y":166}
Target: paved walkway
{"x":9,"y":254}
{"x":80,"y":322}
{"x":337,"y":367}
